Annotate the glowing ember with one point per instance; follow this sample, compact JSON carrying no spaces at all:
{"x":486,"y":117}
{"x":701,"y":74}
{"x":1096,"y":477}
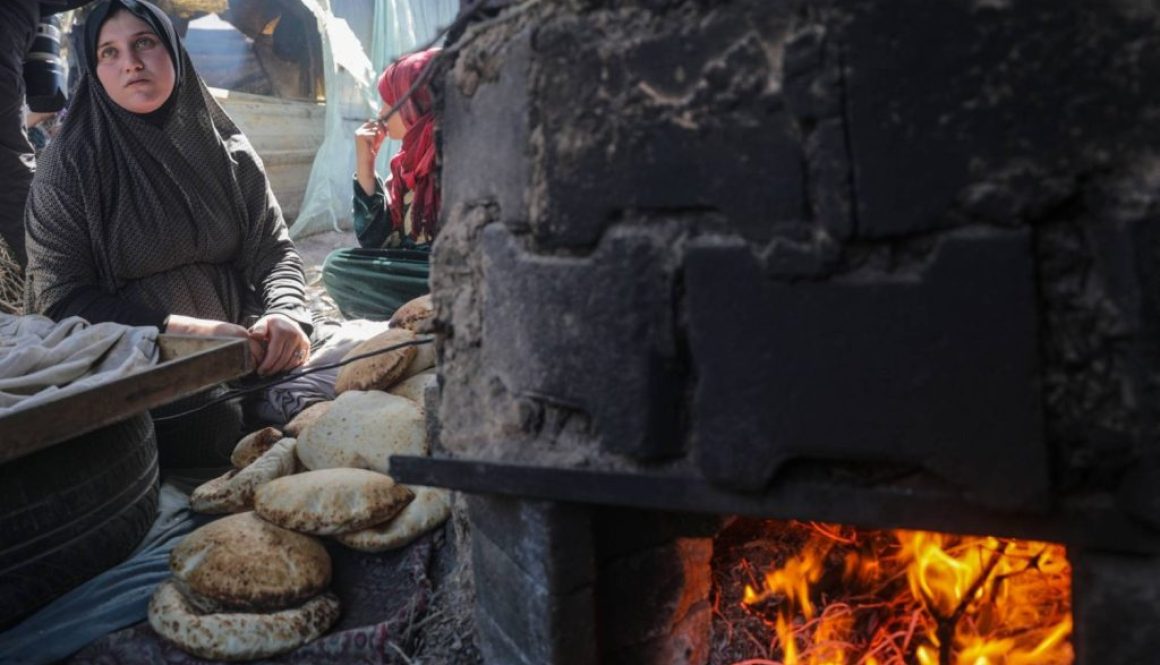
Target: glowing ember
{"x":852,"y":597}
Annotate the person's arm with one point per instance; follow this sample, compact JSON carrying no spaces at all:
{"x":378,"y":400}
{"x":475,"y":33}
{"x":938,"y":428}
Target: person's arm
{"x":268,"y":261}
{"x":272,"y":267}
{"x":62,"y":279}
{"x":371,"y":218}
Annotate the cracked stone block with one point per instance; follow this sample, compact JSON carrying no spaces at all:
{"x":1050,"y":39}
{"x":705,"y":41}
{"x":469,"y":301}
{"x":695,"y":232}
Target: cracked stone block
{"x":493,"y":164}
{"x":685,"y":114}
{"x":958,"y":93}
{"x":591,"y":333}
{"x":935,"y":366}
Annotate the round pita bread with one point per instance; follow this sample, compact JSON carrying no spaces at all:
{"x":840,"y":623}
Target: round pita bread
{"x":234,"y":491}
{"x":378,"y":372}
{"x":430,"y":508}
{"x":331,"y":501}
{"x":415,"y":388}
{"x":253,"y":445}
{"x":243,"y":562}
{"x":415,"y":315}
{"x":425,"y":357}
{"x":305,"y":417}
{"x":362,"y":430}
{"x":238,"y":636}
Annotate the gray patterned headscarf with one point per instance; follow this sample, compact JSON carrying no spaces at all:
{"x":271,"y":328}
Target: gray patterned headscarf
{"x":167,"y":215}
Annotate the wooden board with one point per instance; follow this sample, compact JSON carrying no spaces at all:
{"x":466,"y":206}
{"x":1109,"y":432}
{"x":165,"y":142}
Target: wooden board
{"x":187,"y":366}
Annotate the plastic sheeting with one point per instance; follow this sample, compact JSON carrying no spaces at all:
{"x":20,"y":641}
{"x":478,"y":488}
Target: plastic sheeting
{"x":351,"y":96}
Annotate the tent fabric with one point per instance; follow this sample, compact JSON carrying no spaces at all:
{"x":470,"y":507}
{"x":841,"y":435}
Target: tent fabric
{"x":350,"y":75}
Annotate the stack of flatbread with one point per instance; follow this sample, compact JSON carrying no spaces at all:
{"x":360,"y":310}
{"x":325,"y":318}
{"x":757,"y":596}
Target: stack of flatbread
{"x":325,"y":474}
{"x":242,"y":589}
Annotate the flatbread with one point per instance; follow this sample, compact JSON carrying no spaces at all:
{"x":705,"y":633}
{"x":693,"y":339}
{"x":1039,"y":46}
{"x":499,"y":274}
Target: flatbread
{"x":415,"y":315}
{"x":253,"y":445}
{"x":377,"y":372}
{"x":238,"y":636}
{"x":424,"y":359}
{"x":430,"y":508}
{"x":362,"y":430}
{"x":305,"y":417}
{"x":234,"y":491}
{"x":244,"y":563}
{"x":331,"y":501}
{"x":415,"y":388}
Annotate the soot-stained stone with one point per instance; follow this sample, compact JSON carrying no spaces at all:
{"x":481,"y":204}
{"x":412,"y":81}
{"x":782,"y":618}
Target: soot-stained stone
{"x":489,"y":164}
{"x":546,"y":627}
{"x":672,"y":114}
{"x":551,"y":542}
{"x":934,"y":366}
{"x":939,"y":100}
{"x":1117,"y":606}
{"x":593,"y":333}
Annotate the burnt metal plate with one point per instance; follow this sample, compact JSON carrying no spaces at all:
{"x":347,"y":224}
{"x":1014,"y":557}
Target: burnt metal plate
{"x":187,"y":365}
{"x":1091,"y":522}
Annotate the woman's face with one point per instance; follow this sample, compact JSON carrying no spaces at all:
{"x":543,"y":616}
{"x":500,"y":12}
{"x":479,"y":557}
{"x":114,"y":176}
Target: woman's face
{"x":396,"y":128}
{"x":133,"y":64}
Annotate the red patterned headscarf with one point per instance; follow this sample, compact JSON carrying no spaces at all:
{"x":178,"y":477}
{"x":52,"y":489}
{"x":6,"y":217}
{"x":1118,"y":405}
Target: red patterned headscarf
{"x":412,"y":167}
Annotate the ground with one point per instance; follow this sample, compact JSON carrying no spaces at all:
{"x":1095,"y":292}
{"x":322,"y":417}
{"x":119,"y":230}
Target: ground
{"x":314,"y":250}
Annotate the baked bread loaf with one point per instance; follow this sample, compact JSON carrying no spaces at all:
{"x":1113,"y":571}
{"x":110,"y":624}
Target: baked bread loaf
{"x":253,"y":445}
{"x":331,"y":501}
{"x":305,"y":417}
{"x":415,"y":315}
{"x":362,"y":430}
{"x":234,"y":491}
{"x":377,"y":372}
{"x":238,"y":636}
{"x":244,"y":563}
{"x":425,"y":356}
{"x":415,"y":387}
{"x":430,"y":508}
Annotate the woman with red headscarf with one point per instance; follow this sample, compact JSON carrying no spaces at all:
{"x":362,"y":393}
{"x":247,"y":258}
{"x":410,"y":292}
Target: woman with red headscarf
{"x":395,"y":222}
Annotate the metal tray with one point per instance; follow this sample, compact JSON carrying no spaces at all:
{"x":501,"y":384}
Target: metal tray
{"x":188,"y":365}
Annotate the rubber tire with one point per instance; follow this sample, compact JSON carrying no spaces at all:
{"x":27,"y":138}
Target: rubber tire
{"x":72,"y":511}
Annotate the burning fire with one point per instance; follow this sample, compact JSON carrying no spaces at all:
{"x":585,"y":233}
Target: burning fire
{"x":851,"y":597}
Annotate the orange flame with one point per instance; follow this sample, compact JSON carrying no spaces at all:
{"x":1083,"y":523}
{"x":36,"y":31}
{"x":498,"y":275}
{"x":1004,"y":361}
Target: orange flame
{"x":919,"y":597}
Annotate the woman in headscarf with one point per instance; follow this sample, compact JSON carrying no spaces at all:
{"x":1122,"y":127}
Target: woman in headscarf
{"x":152,"y":208}
{"x":395,"y":222}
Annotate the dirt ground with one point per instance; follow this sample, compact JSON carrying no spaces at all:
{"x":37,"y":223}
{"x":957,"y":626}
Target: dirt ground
{"x":314,"y":250}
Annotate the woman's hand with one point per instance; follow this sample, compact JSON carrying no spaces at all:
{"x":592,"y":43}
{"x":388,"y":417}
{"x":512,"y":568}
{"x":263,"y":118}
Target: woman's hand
{"x":286,"y":346}
{"x":368,"y":138}
{"x":178,"y":324}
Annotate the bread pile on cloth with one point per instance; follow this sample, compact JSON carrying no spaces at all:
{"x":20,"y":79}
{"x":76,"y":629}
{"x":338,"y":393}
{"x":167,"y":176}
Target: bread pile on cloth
{"x":326,"y":474}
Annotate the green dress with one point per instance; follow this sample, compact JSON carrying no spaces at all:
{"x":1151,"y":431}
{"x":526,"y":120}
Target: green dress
{"x":387,"y":269}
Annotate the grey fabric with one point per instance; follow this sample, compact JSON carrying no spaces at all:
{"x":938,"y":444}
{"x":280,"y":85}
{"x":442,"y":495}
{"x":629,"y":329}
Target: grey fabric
{"x":279,"y":403}
{"x":41,"y":360}
{"x":17,"y":162}
{"x":176,"y":218}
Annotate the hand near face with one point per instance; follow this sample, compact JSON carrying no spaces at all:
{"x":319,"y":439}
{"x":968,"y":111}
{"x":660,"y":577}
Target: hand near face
{"x":286,"y":346}
{"x":368,"y":138}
